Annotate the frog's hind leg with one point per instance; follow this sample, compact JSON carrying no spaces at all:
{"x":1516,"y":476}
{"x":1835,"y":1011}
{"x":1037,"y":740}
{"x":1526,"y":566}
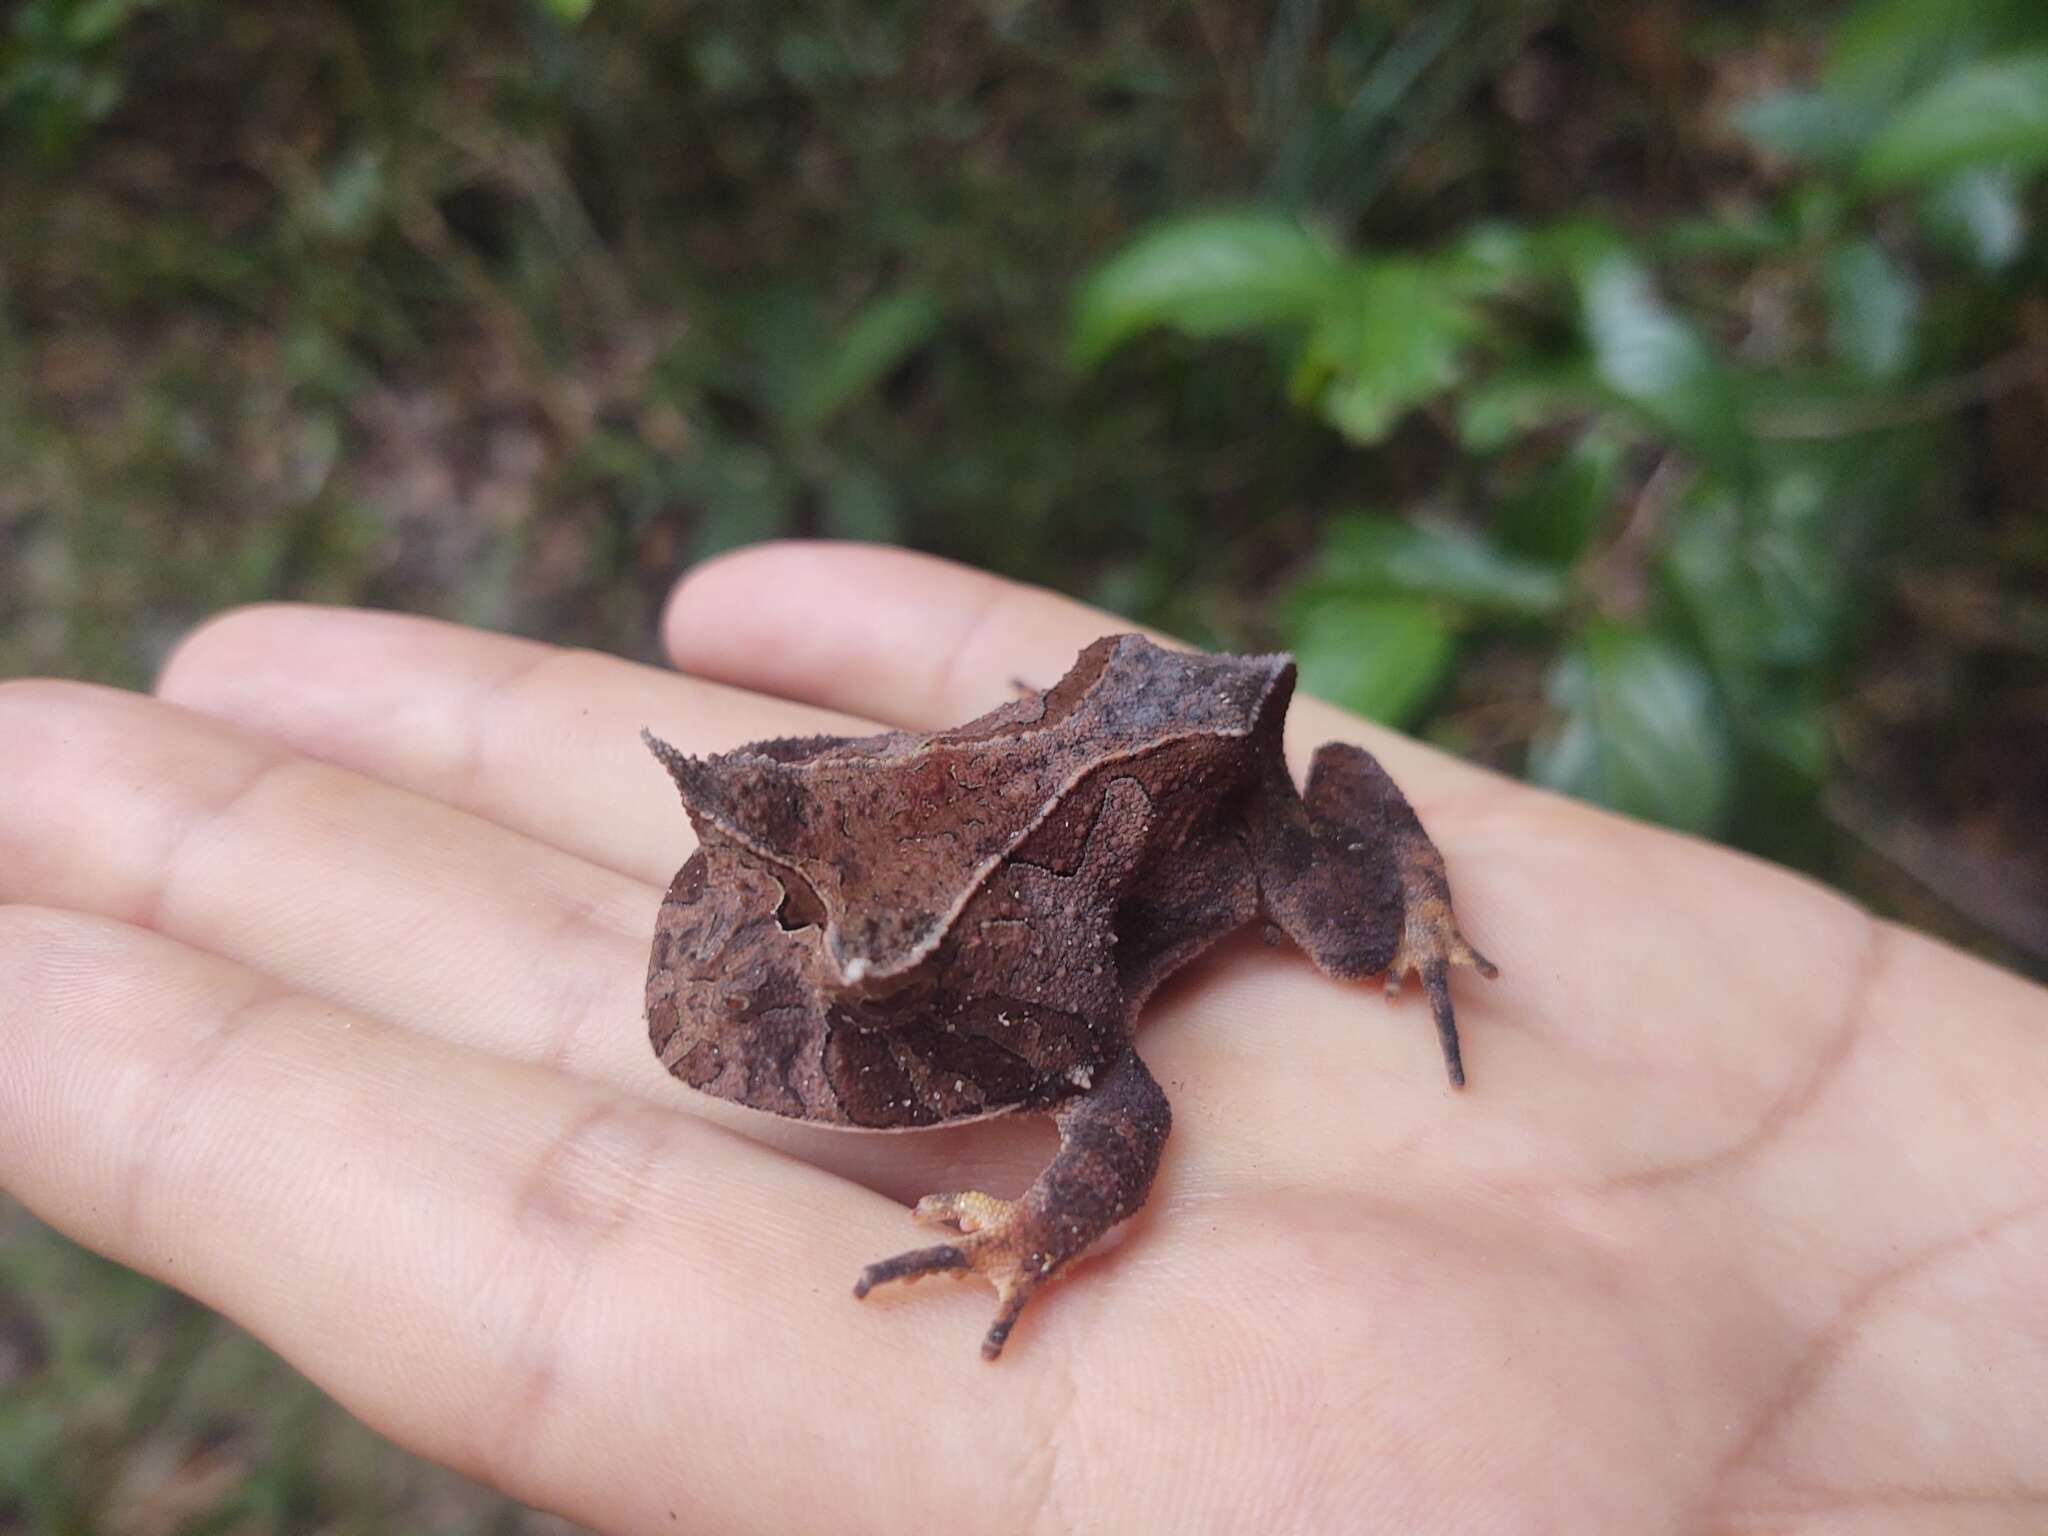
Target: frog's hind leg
{"x":1347,"y":872}
{"x":1110,"y":1141}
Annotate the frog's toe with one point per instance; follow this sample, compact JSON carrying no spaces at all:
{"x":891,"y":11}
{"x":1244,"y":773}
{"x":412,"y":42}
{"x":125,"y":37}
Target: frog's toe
{"x":914,"y":1265}
{"x":996,"y":1242}
{"x":1110,"y":1139}
{"x":1430,"y":946}
{"x":1434,"y":944}
{"x":968,"y":1211}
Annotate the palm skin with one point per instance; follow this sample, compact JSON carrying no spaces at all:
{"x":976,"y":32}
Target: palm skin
{"x":319,"y":998}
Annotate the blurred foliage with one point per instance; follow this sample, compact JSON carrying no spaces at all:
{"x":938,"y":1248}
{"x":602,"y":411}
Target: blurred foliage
{"x":1776,"y":473}
{"x":1646,"y":398}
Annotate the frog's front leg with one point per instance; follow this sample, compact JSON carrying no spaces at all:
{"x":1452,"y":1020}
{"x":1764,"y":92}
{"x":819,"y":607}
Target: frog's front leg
{"x":1110,"y":1140}
{"x":1347,"y":872}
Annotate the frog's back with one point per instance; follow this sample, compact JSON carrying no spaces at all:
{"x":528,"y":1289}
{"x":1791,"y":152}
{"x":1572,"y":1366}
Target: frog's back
{"x":892,"y":834}
{"x":884,"y":930}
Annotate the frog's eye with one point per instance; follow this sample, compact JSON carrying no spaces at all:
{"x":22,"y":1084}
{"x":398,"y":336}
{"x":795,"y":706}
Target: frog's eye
{"x":801,"y":906}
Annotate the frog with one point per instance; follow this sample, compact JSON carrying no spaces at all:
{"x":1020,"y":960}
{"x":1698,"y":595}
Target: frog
{"x":910,"y":929}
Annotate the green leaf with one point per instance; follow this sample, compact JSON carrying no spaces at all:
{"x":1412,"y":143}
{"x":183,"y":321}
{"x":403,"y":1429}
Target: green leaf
{"x":1209,"y":275}
{"x":879,"y":337}
{"x":1743,"y":234}
{"x":1872,"y":306}
{"x":1651,"y":359}
{"x":1392,"y":336}
{"x":1638,"y":730}
{"x":1774,"y":588}
{"x":348,"y":203}
{"x":1381,"y":658}
{"x":95,"y":21}
{"x":1493,"y":411}
{"x":1373,"y":556}
{"x":1791,"y":732}
{"x":1979,"y":215}
{"x":1572,"y":248}
{"x":1493,"y":257}
{"x":1816,"y":211}
{"x":1556,"y":512}
{"x":1882,"y":49}
{"x":1759,"y":582}
{"x":1765,"y":594}
{"x":1807,"y":125}
{"x":1994,"y":113}
{"x":1774,"y":582}
{"x":567,"y":12}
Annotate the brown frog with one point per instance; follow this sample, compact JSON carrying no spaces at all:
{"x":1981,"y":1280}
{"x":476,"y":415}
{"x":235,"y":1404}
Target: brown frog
{"x":920,"y":928}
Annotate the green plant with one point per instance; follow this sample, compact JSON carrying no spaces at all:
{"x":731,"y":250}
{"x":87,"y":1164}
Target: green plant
{"x":61,"y":69}
{"x":1685,"y":512}
{"x":749,"y":399}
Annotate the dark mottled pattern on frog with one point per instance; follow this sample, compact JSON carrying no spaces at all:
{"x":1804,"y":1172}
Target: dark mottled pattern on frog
{"x":894,"y":832}
{"x":915,"y":928}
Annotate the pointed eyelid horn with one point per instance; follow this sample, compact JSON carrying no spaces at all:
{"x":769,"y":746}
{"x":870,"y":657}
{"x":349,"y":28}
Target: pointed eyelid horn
{"x":751,"y":807}
{"x":698,"y":779}
{"x":681,"y":768}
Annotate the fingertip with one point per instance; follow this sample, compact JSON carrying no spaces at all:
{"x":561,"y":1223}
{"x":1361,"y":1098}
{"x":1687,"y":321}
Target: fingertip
{"x":763,"y":600}
{"x":38,"y":945}
{"x":219,"y":645}
{"x":687,"y":617}
{"x":888,"y":634}
{"x":911,"y":640}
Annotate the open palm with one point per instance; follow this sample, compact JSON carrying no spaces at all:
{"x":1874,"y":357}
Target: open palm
{"x":320,"y":999}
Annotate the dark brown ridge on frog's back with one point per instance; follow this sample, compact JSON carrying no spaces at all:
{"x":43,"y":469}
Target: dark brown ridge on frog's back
{"x":895,"y":857}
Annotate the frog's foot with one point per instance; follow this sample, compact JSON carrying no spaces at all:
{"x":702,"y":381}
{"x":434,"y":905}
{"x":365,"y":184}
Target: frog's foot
{"x":1110,"y":1141}
{"x":1430,"y":944}
{"x":995,"y":1242}
{"x":1348,"y":873}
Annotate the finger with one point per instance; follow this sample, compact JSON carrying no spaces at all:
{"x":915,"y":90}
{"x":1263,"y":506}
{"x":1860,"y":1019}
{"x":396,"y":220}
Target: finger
{"x":382,"y":901}
{"x":895,"y":636}
{"x":539,"y":739}
{"x":601,"y":1307}
{"x":916,"y":641}
{"x":1509,"y":863}
{"x":400,"y":908}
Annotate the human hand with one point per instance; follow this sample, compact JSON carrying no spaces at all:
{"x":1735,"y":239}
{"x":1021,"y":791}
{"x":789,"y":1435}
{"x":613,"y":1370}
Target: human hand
{"x":320,"y":999}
